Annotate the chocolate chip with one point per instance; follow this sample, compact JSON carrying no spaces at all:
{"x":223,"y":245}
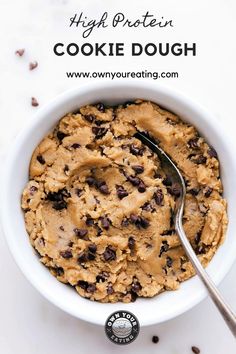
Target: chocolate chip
{"x":148,"y":207}
{"x":92,"y":248}
{"x":155,"y":339}
{"x":33,"y":65}
{"x":40,"y":159}
{"x":89,"y":117}
{"x":99,"y":122}
{"x":75,"y":146}
{"x":89,"y":221}
{"x":193,"y":143}
{"x":135,"y":181}
{"x":70,"y":244}
{"x":59,"y":271}
{"x":158,"y":197}
{"x":55,"y":196}
{"x":135,"y":150}
{"x":200,"y":160}
{"x":82,"y":257}
{"x":91,"y":288}
{"x":195,"y":350}
{"x":105,"y":222}
{"x":59,"y":205}
{"x":208,"y":192}
{"x":100,"y":278}
{"x":83,"y":284}
{"x":144,"y":223}
{"x":58,"y":196}
{"x":67,"y":254}
{"x":134,"y":296}
{"x":164,"y":248}
{"x":141,"y":187}
{"x":34,"y":102}
{"x":212,"y":153}
{"x":134,"y":218}
{"x":109,"y":254}
{"x":131,"y":243}
{"x":58,"y":199}
{"x":99,"y":183}
{"x":110,"y":290}
{"x":139,"y":221}
{"x":61,"y":228}
{"x":167,"y":181}
{"x":121,"y":192}
{"x":194,"y":191}
{"x":104,"y":189}
{"x":78,"y":192}
{"x":33,"y":189}
{"x":175,"y":190}
{"x":138,"y":169}
{"x":81,"y":233}
{"x":135,"y":287}
{"x":60,"y":135}
{"x":91,"y":181}
{"x":169,"y":262}
{"x":101,"y":107}
{"x":99,"y":132}
{"x":91,"y":256}
{"x":19,"y":52}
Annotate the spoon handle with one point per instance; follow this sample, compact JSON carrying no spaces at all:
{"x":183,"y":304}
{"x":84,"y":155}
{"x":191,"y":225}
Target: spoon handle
{"x":214,"y":293}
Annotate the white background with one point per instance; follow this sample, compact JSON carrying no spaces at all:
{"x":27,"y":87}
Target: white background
{"x":28,"y":323}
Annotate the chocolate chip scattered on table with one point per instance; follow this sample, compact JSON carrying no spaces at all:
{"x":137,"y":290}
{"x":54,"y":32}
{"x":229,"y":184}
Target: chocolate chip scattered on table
{"x":99,"y":208}
{"x":195,"y":350}
{"x":155,"y":339}
{"x":20,"y":52}
{"x":33,"y":65}
{"x":34,"y":102}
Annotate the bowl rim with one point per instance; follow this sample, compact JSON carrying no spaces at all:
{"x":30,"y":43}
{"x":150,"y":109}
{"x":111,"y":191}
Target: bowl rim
{"x":40,"y":116}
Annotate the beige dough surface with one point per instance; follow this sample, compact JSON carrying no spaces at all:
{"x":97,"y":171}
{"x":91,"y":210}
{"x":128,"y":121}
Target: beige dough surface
{"x":98,"y":207}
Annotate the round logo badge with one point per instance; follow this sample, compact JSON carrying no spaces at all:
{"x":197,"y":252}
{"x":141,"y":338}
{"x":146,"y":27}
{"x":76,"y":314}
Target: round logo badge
{"x":122,"y":327}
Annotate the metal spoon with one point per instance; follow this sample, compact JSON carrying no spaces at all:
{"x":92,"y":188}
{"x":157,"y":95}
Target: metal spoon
{"x":173,"y":172}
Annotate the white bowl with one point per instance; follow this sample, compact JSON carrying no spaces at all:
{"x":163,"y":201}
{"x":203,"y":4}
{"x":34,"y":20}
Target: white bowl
{"x":149,"y":311}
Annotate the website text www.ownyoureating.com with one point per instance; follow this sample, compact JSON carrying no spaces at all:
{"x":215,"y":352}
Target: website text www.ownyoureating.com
{"x":145,"y":74}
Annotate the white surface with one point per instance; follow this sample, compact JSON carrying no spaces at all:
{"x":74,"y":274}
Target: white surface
{"x":28,"y":322}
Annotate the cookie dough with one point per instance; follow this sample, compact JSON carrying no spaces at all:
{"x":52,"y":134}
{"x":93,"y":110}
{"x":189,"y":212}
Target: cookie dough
{"x":99,"y":209}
